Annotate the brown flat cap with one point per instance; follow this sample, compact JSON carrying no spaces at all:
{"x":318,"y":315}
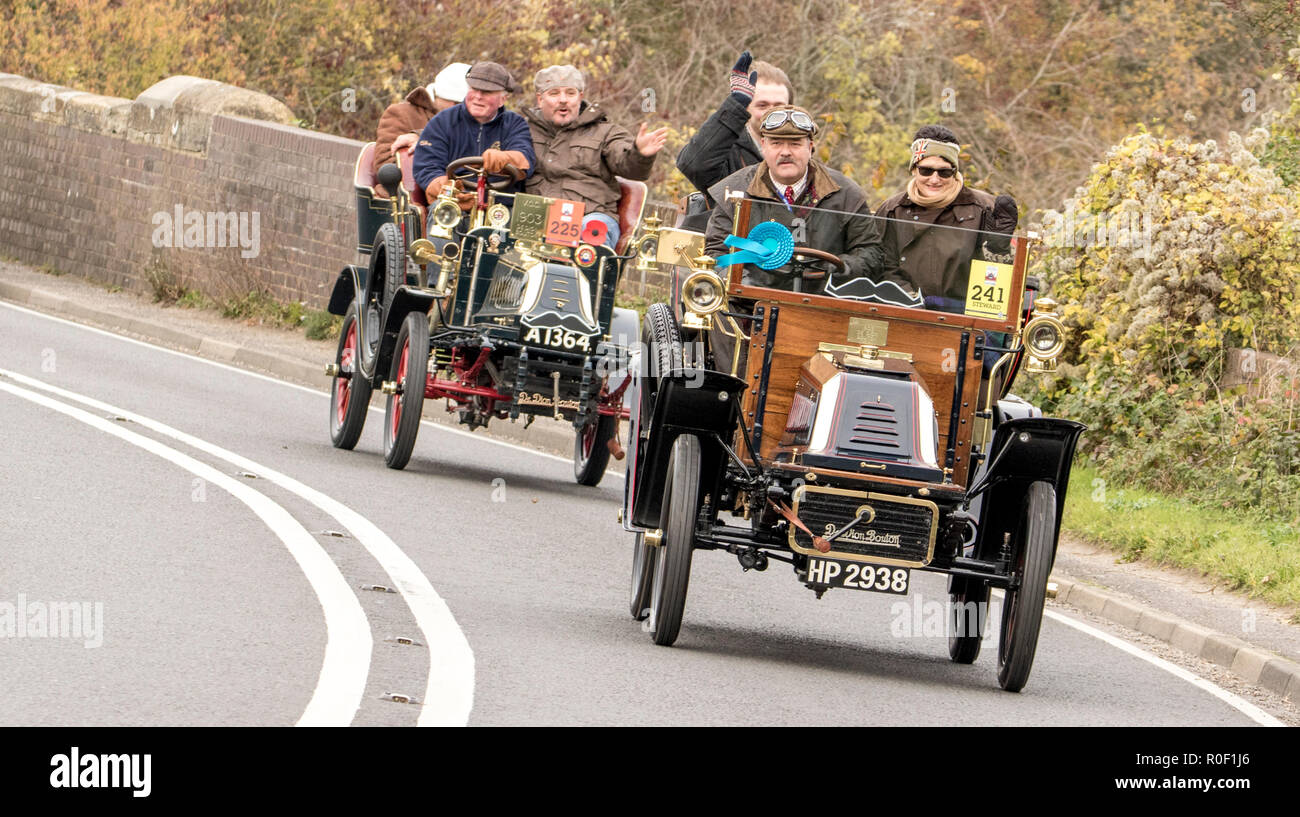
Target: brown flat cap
{"x":558,"y":76}
{"x":788,"y":120}
{"x":490,"y":76}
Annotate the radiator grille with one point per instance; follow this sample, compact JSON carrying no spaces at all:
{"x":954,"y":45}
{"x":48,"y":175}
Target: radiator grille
{"x":507,"y":288}
{"x":898,"y":531}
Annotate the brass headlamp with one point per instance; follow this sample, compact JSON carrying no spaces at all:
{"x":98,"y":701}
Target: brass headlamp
{"x":1044,"y":337}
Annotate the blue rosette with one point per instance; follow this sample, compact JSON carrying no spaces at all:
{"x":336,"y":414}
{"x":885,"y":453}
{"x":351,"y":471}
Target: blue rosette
{"x":769,"y":245}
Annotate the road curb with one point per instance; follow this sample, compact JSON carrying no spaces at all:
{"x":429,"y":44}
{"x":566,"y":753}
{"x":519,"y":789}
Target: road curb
{"x":1251,"y":664}
{"x":544,"y":435}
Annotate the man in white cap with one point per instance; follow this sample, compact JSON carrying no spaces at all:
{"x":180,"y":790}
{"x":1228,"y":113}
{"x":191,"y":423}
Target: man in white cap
{"x":401,"y":122}
{"x":580,"y":152}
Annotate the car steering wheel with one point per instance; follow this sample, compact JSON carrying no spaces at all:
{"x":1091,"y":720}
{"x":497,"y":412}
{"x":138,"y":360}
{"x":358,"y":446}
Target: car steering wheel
{"x":474,"y":166}
{"x":809,"y":254}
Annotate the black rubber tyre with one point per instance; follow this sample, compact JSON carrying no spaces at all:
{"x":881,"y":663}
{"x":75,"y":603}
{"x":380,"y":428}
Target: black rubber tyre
{"x":967,"y":630}
{"x":387,"y":263}
{"x":410,"y":370}
{"x":663,"y":339}
{"x":349,"y":396}
{"x":1022,"y":611}
{"x":643,"y":576}
{"x":673,"y":564}
{"x":591,"y":450}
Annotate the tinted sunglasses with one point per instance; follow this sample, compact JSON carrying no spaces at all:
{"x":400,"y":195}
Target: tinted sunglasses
{"x":801,"y":120}
{"x":944,"y":172}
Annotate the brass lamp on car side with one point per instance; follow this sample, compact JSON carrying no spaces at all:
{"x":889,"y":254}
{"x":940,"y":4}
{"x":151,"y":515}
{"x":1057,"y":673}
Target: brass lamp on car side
{"x":1044,"y":337}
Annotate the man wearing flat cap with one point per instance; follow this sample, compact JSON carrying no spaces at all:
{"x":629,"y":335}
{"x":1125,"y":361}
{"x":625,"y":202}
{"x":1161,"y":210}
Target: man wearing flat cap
{"x":823,"y":208}
{"x":478,"y":126}
{"x":580,"y":152}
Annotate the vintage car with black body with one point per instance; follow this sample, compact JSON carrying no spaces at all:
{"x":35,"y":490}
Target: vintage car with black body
{"x":506,"y":310}
{"x":855,"y":440}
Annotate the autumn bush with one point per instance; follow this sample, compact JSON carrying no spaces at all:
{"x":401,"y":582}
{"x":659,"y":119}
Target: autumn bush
{"x":1173,"y":254}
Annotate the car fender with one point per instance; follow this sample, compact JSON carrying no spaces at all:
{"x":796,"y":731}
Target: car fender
{"x":405,"y":300}
{"x":346,"y":287}
{"x":699,"y":402}
{"x":1024,"y":451}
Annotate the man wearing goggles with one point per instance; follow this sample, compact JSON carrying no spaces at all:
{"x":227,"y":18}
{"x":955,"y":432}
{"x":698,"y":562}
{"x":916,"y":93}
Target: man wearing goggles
{"x":823,"y":208}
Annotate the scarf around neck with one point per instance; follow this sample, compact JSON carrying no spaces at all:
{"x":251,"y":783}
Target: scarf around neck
{"x":931,"y":202}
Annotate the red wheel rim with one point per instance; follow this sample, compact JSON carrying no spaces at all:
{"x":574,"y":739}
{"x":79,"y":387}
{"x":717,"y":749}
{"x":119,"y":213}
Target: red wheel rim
{"x":589,"y":439}
{"x":343,"y":385}
{"x":401,"y":381}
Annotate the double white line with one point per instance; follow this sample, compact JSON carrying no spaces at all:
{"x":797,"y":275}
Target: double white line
{"x":449,"y":694}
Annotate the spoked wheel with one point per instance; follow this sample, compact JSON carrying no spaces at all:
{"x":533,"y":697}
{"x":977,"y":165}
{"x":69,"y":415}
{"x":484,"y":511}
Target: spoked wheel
{"x":350,"y":394}
{"x":410,"y":372}
{"x":643,"y":574}
{"x":970,"y":602}
{"x":591,"y":449}
{"x":673,"y":564}
{"x":1022,"y":610}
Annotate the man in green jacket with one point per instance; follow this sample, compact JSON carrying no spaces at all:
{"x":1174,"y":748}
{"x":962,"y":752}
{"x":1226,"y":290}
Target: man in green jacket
{"x":580,"y":152}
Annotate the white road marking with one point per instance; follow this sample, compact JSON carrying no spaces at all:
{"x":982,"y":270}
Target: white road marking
{"x":348,"y":645}
{"x":299,"y":387}
{"x":1235,"y":701}
{"x":449,"y":694}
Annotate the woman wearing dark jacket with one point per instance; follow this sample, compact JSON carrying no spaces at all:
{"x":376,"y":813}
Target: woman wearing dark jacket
{"x":938,"y":261}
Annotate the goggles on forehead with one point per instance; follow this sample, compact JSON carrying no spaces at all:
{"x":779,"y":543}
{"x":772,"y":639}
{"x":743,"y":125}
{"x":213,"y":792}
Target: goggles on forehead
{"x":799,"y":119}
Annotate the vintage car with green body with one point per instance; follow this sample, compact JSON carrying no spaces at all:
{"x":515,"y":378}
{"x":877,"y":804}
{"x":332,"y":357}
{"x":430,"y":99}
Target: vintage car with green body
{"x":504,"y":311}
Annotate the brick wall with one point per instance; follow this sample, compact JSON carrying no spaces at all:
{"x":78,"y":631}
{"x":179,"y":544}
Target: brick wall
{"x":96,"y":197}
{"x":91,"y":185}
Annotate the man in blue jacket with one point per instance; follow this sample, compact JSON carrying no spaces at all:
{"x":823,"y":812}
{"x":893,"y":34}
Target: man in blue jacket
{"x":478,"y":126}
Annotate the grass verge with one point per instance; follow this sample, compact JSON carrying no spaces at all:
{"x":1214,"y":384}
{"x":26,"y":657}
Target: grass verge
{"x":1251,"y":554}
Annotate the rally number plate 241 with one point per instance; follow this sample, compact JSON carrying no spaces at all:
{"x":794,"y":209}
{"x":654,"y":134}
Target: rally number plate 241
{"x":859,"y":576}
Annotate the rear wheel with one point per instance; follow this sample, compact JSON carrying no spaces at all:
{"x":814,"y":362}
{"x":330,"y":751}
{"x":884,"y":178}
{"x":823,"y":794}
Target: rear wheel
{"x":410,"y":371}
{"x":1022,"y":612}
{"x":350,"y":394}
{"x":672,"y":571}
{"x":970,"y":602}
{"x":591,"y":449}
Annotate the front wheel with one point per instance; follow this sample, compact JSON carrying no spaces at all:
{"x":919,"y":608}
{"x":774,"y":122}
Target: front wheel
{"x":672,"y":571}
{"x":1022,"y":611}
{"x":591,"y":449}
{"x":410,"y":372}
{"x":350,"y":393}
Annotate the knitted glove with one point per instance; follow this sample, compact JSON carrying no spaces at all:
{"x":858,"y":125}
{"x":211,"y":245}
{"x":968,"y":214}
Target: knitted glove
{"x":742,"y":81}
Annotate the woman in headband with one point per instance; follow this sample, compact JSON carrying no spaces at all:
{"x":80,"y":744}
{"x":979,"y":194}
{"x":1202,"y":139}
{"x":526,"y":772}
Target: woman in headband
{"x":938,"y":261}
